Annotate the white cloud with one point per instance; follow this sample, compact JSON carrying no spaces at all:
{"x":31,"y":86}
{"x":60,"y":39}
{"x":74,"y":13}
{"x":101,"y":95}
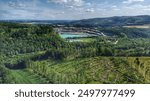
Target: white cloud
{"x":116,"y":9}
{"x":70,"y":7}
{"x":132,"y":10}
{"x":114,"y":6}
{"x":16,"y":5}
{"x":90,"y":10}
{"x":138,"y":6}
{"x":132,"y":1}
{"x":59,"y":1}
{"x":68,"y":2}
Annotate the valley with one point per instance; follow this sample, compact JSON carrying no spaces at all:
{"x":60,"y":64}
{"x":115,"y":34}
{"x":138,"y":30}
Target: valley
{"x":75,"y":53}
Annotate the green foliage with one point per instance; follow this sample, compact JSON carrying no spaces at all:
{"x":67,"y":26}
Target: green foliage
{"x":37,"y":54}
{"x":22,"y":40}
{"x":6,"y":75}
{"x":57,"y":54}
{"x":88,"y":70}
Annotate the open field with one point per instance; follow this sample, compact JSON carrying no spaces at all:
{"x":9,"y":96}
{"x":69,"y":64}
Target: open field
{"x":138,"y":26}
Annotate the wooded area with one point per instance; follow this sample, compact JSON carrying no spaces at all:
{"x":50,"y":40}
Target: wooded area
{"x":37,"y":54}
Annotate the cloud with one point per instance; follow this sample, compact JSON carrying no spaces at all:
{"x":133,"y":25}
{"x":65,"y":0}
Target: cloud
{"x":132,"y":1}
{"x":90,"y":10}
{"x":68,"y":2}
{"x":138,"y":6}
{"x":71,"y":9}
{"x":16,"y":4}
{"x":59,"y":1}
{"x":114,"y":6}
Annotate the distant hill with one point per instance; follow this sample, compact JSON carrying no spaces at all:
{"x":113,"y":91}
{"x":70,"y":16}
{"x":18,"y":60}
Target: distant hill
{"x":103,"y":22}
{"x":114,"y":21}
{"x":38,"y":21}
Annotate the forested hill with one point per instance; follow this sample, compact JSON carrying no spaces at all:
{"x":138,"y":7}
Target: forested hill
{"x":20,"y":38}
{"x":114,"y":21}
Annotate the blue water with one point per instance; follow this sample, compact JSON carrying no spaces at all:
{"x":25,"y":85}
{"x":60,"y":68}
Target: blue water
{"x":73,"y":35}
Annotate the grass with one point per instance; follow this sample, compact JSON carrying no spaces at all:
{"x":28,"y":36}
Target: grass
{"x":88,"y":39}
{"x":143,"y":67}
{"x":25,"y":77}
{"x":88,"y":70}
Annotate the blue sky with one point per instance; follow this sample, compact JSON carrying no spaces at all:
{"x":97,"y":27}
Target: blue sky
{"x":71,"y":9}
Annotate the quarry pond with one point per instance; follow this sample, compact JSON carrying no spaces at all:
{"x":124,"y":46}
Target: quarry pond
{"x":75,"y":36}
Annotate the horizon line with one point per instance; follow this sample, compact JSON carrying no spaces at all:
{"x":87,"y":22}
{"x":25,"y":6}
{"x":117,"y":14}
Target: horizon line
{"x":67,"y":19}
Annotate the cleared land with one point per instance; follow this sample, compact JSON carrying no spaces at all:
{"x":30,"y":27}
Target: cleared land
{"x":138,"y":26}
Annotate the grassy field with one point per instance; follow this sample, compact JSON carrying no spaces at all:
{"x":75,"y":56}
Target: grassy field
{"x":25,"y":77}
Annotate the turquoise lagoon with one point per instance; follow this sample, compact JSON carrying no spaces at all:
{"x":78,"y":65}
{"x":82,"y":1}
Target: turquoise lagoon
{"x":73,"y":35}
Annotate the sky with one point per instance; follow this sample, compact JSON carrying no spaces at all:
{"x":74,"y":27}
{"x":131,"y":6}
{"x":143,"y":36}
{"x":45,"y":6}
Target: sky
{"x":70,"y":9}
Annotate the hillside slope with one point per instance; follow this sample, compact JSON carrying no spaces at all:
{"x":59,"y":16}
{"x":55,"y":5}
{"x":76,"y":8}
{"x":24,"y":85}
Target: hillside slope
{"x":114,"y":21}
{"x":100,"y":70}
